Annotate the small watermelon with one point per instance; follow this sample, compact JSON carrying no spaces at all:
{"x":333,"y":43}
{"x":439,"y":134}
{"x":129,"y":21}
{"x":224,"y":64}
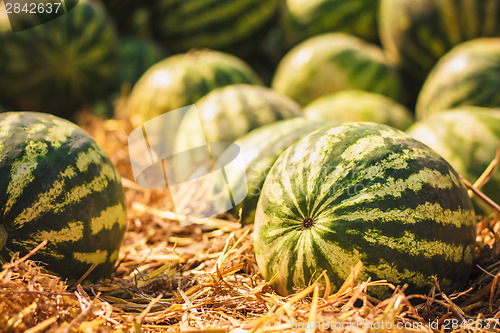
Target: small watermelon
{"x":57,"y":184}
{"x":358,"y":106}
{"x":333,"y":62}
{"x":364,"y":192}
{"x":303,"y":19}
{"x":468,"y":75}
{"x":230,"y":26}
{"x":467,"y":137}
{"x":182,"y":79}
{"x":61,"y":65}
{"x":415,"y":34}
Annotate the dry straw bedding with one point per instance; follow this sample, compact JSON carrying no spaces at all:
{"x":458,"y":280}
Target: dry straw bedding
{"x":203,"y":278}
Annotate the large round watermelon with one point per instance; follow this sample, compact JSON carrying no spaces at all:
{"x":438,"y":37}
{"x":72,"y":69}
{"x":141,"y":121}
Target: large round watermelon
{"x":57,"y":184}
{"x":231,"y":26}
{"x":467,"y":138}
{"x":60,"y":65}
{"x":468,"y":75}
{"x":182,"y":79}
{"x":334,"y":62}
{"x":305,"y":18}
{"x":358,"y":105}
{"x":415,"y":34}
{"x":364,"y":192}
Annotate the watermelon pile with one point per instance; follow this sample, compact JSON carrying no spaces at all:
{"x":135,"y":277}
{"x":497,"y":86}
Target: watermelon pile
{"x":314,"y":95}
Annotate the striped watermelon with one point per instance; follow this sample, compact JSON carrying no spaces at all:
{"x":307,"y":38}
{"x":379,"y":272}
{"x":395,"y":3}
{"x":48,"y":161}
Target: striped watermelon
{"x":467,"y":137}
{"x":305,"y":18}
{"x":364,"y":192}
{"x":228,"y":113}
{"x":415,"y":34}
{"x":182,"y":79}
{"x":358,"y":105}
{"x":334,"y":62}
{"x":259,"y":149}
{"x":61,"y":65}
{"x":232,"y":26}
{"x":468,"y":75}
{"x":57,"y":184}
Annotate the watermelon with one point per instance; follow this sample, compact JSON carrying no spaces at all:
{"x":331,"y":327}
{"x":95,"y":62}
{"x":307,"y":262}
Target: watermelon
{"x":358,"y":105}
{"x":259,"y":149}
{"x":468,"y":75}
{"x":333,"y":62}
{"x":225,"y":114}
{"x":182,"y":79}
{"x":231,"y":26}
{"x":415,"y":34}
{"x":364,"y":192}
{"x":302,"y":19}
{"x":229,"y":112}
{"x":467,"y":137}
{"x":61,"y":65}
{"x":135,"y":57}
{"x":57,"y":184}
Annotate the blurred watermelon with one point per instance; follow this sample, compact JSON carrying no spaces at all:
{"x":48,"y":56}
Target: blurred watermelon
{"x":61,"y":65}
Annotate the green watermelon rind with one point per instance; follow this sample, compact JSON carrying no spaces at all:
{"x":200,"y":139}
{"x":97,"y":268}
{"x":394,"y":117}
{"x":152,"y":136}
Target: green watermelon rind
{"x":364,"y":192}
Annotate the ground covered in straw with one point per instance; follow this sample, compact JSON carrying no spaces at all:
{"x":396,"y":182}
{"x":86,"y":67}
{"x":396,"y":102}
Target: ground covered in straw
{"x":203,"y":278}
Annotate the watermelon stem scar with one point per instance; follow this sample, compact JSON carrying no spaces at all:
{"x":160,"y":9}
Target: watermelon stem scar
{"x":307,"y":223}
{"x":3,"y":236}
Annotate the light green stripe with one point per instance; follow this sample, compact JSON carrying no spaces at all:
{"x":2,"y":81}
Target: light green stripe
{"x":390,"y":272}
{"x":97,"y":257}
{"x":21,"y":173}
{"x":57,"y":135}
{"x":412,"y":246}
{"x":396,"y":187}
{"x":424,"y":212}
{"x":110,"y":217}
{"x":114,"y":256}
{"x":87,"y":158}
{"x":363,"y":147}
{"x":36,"y":129}
{"x":287,"y":187}
{"x":72,"y":233}
{"x":224,"y":10}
